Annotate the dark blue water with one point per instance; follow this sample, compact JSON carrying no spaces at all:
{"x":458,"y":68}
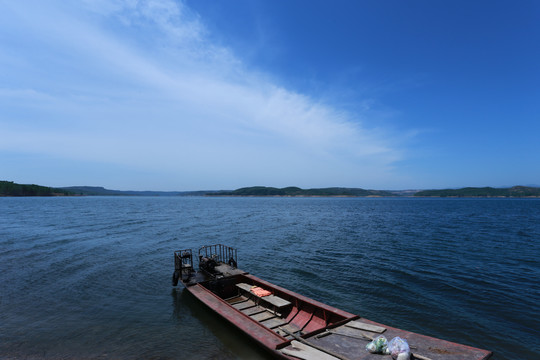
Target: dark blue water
{"x":89,"y":277}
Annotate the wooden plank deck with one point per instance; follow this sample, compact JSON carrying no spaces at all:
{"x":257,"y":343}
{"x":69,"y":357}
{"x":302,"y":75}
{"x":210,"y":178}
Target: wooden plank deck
{"x":306,"y":352}
{"x":244,"y":304}
{"x":274,"y":322}
{"x":254,"y":310}
{"x":276,"y":301}
{"x":263,"y":316}
{"x":365,"y":326}
{"x":351,"y":342}
{"x":236,"y":299}
{"x":244,"y":286}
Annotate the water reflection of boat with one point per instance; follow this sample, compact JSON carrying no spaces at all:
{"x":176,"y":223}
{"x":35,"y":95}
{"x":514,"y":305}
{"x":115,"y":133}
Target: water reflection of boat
{"x":291,"y":325}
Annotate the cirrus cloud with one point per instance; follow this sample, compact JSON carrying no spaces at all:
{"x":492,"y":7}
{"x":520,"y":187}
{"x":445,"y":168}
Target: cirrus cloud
{"x":140,"y":85}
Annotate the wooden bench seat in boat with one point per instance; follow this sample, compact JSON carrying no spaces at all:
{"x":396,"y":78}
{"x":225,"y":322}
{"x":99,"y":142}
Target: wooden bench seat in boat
{"x":270,"y":299}
{"x":270,"y":318}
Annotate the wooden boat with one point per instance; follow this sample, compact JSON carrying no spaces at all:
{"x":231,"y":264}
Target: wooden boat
{"x":288,"y":324}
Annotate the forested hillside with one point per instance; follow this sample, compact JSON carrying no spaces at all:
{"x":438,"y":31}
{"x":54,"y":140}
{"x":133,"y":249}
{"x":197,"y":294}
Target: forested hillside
{"x":9,"y":188}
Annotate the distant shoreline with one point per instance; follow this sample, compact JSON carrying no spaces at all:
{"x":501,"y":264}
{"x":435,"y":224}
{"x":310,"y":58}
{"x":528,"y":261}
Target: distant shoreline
{"x":11,"y":189}
{"x":485,"y":192}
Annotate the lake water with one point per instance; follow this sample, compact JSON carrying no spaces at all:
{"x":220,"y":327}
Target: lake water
{"x":90,"y":277}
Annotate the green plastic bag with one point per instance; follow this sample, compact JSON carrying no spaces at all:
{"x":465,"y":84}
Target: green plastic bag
{"x":379,"y":345}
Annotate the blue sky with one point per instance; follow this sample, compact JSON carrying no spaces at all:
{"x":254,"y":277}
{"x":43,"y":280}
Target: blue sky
{"x":200,"y":94}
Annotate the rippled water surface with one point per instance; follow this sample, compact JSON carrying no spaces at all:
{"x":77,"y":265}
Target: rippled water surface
{"x":89,"y":277}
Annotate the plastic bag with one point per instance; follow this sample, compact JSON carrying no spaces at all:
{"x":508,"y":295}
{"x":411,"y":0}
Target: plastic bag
{"x":399,"y":349}
{"x":379,"y":345}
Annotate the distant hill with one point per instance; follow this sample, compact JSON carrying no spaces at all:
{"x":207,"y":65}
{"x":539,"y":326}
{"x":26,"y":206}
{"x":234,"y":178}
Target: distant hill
{"x":90,"y":190}
{"x":296,"y":191}
{"x":9,"y":188}
{"x":516,"y":191}
{"x":101,"y":191}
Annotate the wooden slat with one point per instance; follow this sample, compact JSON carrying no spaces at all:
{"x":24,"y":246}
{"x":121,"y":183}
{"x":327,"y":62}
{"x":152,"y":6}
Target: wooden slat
{"x":236,"y":299}
{"x":288,"y":328}
{"x":244,"y":286}
{"x":276,"y":301}
{"x":263,"y":316}
{"x":253,"y":310}
{"x":316,"y":346}
{"x":343,"y":331}
{"x":306,"y":352}
{"x":271,"y":299}
{"x":274,"y":322}
{"x":365,"y":326}
{"x":244,"y":305}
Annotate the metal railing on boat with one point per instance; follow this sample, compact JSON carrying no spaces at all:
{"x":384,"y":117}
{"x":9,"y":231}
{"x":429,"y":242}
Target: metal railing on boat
{"x":220,"y":253}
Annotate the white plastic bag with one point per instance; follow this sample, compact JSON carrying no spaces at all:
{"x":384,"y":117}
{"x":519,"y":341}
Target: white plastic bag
{"x":399,"y":349}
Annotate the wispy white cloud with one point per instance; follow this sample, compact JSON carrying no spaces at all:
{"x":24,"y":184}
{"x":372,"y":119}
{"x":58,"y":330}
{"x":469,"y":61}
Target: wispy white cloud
{"x":138,"y":83}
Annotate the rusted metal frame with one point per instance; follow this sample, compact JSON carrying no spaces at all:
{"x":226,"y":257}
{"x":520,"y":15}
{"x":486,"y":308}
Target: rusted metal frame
{"x":176,"y":261}
{"x":223,"y":252}
{"x":235,"y":255}
{"x":183,"y":265}
{"x":178,"y":258}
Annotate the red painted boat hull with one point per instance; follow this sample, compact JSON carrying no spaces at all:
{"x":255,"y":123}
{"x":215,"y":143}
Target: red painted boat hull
{"x":286,"y":323}
{"x":435,"y":349}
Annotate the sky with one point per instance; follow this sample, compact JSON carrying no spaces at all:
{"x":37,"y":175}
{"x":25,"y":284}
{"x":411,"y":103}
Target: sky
{"x":208,"y":95}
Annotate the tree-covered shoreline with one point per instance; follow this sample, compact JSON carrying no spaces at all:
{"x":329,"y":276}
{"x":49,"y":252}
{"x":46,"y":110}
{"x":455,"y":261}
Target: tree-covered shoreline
{"x":293,"y":191}
{"x":515,"y":191}
{"x":9,"y":188}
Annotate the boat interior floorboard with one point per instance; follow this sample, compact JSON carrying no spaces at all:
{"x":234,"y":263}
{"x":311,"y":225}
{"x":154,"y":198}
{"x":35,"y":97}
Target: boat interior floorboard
{"x":236,"y":299}
{"x":263,"y":316}
{"x":303,"y":351}
{"x":244,"y":305}
{"x":288,"y":327}
{"x":253,"y":310}
{"x":274,"y":322}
